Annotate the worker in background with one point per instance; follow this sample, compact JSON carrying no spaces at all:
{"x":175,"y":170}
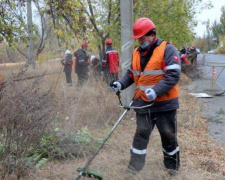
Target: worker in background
{"x":193,"y":55}
{"x":67,"y":62}
{"x":183,"y":50}
{"x":110,"y":62}
{"x":96,"y":66}
{"x":183,"y":56}
{"x":155,"y":71}
{"x":81,"y":64}
{"x":188,"y":50}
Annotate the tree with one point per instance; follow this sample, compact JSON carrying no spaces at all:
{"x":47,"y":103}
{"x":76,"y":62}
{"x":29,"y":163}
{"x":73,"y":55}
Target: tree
{"x":222,"y":20}
{"x":174,"y":19}
{"x":96,"y":20}
{"x":90,"y":20}
{"x":14,"y":28}
{"x":12,"y":23}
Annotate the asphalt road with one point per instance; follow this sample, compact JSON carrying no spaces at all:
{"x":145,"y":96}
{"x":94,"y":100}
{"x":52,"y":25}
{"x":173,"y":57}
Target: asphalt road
{"x":214,"y":108}
{"x":215,"y":59}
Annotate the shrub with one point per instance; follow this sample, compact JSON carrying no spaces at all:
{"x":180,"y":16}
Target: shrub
{"x":26,"y":109}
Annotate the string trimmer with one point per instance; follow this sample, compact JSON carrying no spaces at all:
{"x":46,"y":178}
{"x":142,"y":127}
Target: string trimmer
{"x":93,"y":174}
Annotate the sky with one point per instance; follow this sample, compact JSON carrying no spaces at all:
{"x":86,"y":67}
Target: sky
{"x":211,"y":14}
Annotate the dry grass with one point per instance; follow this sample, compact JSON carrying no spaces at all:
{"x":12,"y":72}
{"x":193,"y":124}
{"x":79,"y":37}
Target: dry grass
{"x":95,"y":107}
{"x":25,"y":114}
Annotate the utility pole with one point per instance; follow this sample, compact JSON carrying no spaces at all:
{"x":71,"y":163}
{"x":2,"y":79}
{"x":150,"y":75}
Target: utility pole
{"x":30,"y":34}
{"x":126,"y":11}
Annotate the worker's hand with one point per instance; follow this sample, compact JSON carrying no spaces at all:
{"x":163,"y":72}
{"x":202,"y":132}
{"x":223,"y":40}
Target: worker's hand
{"x":115,"y":86}
{"x":63,"y":62}
{"x":150,"y":93}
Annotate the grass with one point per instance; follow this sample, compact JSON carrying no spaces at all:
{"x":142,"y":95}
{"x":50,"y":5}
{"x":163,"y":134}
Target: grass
{"x":95,"y":107}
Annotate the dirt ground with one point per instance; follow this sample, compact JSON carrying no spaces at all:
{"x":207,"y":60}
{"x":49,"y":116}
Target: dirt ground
{"x":213,"y":109}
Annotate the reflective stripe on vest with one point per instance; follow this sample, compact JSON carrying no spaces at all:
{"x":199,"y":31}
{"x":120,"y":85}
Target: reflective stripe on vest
{"x":149,"y":72}
{"x":143,"y":88}
{"x":107,"y":52}
{"x":152,"y":74}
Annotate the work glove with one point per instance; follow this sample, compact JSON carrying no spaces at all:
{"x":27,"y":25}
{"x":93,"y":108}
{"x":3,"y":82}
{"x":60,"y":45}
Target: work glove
{"x":63,"y":62}
{"x":102,"y":73}
{"x":150,"y":93}
{"x":115,"y":86}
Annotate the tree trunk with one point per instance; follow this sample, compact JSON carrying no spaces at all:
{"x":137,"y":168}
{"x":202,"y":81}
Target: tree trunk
{"x":30,"y":34}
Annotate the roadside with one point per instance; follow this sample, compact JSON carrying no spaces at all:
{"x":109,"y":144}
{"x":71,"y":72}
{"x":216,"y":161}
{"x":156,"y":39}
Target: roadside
{"x":213,"y":108}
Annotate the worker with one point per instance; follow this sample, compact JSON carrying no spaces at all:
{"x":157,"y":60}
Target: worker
{"x":110,"y":62}
{"x":67,"y":62}
{"x":81,"y":64}
{"x":155,"y":71}
{"x":96,"y":66}
{"x":183,"y":50}
{"x":193,"y":54}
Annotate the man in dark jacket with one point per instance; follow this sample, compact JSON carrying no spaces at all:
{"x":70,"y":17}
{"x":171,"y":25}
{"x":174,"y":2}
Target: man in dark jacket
{"x":155,"y":71}
{"x":67,"y":62}
{"x":81,"y":64}
{"x":183,"y":50}
{"x":193,"y":55}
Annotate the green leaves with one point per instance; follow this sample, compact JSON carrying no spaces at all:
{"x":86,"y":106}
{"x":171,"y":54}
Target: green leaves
{"x":96,"y":20}
{"x":12,"y":23}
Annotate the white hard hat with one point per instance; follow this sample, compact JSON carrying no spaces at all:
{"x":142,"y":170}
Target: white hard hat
{"x":67,"y":52}
{"x":92,"y":57}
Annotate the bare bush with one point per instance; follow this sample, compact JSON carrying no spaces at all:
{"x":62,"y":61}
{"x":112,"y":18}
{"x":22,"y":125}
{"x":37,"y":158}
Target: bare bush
{"x":196,"y":69}
{"x":26,"y":109}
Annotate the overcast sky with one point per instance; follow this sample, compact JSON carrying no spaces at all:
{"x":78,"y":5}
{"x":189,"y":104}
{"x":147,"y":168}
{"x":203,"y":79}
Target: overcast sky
{"x":211,"y":14}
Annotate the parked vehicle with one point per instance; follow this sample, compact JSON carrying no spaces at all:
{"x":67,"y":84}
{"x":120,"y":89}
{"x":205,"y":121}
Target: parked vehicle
{"x":212,"y":51}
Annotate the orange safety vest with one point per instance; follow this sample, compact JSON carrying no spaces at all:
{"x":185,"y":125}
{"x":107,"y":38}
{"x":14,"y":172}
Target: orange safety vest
{"x":152,"y":74}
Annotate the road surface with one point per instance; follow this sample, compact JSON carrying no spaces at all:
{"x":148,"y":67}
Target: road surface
{"x":215,"y":59}
{"x":214,"y":108}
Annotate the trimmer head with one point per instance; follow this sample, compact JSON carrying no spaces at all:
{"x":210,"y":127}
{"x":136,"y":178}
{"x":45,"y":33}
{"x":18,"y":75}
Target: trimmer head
{"x":89,"y":173}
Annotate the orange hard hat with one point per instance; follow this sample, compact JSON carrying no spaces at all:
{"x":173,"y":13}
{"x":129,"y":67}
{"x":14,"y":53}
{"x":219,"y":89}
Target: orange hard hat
{"x":108,"y":41}
{"x":84,"y":44}
{"x":141,"y":27}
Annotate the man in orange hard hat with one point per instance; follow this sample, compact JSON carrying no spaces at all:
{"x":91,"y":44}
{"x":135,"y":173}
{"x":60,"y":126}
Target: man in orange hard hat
{"x":110,"y":62}
{"x":81,"y":64}
{"x":155,"y":71}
